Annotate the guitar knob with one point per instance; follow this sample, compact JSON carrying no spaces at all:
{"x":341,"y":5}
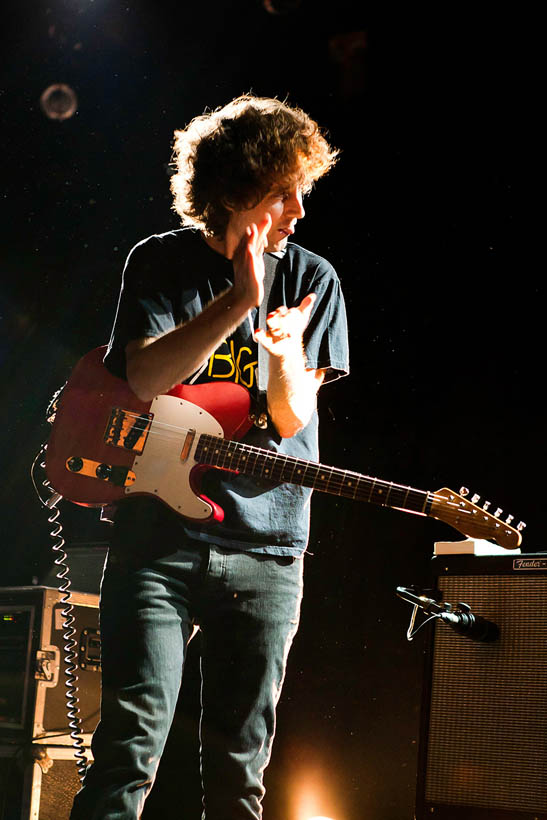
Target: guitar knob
{"x":520,"y":526}
{"x":464,"y":491}
{"x":509,"y":519}
{"x":103,"y":471}
{"x":486,"y":505}
{"x":498,"y":512}
{"x":75,"y":464}
{"x":475,"y":498}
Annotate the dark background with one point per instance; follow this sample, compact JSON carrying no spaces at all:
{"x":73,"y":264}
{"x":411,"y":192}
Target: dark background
{"x":426,"y":220}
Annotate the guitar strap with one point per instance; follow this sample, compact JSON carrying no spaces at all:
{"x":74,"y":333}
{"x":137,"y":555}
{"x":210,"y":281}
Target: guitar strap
{"x":271,"y":264}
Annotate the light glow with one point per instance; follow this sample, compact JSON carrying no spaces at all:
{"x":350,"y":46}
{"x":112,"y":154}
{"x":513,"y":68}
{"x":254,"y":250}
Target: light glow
{"x":312,"y":794}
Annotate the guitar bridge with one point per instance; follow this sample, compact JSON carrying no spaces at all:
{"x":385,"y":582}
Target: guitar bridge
{"x":128,"y":430}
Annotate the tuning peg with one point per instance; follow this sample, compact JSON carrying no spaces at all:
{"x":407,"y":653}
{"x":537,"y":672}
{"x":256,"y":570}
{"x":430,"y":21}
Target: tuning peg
{"x":486,"y":505}
{"x":520,"y":526}
{"x":464,"y":491}
{"x":475,"y":498}
{"x":509,"y":519}
{"x":498,"y":512}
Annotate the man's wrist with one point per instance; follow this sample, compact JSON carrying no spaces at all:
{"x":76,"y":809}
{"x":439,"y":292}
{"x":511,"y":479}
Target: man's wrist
{"x":237,"y":302}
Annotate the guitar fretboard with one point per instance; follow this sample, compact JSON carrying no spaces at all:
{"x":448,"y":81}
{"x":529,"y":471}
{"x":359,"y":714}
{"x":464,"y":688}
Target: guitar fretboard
{"x":281,"y":468}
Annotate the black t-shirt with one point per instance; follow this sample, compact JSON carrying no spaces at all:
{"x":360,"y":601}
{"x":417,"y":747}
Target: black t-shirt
{"x":168,"y":279}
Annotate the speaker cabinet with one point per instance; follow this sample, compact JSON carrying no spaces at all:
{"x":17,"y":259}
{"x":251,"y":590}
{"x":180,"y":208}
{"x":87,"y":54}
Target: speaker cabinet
{"x":38,"y":782}
{"x":483,"y":740}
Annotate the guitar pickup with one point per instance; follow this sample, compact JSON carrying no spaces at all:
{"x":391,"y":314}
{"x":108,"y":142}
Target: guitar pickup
{"x":128,"y":430}
{"x":113,"y":474}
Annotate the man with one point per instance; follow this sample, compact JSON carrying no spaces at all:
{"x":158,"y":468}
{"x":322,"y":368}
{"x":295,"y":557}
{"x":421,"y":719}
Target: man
{"x":188,"y":311}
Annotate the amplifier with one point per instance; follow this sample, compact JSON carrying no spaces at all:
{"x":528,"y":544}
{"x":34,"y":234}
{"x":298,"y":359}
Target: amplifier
{"x":483,"y":737}
{"x":32,"y":651}
{"x":38,"y":782}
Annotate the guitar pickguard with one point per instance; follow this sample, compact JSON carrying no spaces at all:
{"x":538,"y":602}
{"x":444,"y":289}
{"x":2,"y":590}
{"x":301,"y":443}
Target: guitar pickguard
{"x":163,"y":469}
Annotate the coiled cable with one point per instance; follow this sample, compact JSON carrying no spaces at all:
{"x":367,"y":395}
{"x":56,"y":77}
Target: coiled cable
{"x":71,"y":644}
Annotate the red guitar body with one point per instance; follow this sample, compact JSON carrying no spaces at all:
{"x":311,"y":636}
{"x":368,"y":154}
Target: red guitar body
{"x":84,"y":416}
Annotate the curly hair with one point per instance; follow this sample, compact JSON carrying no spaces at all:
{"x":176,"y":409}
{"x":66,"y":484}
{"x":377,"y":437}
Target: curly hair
{"x":230,"y":158}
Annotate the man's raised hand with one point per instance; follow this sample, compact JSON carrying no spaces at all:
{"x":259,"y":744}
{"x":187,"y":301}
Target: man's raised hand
{"x":285,"y":328}
{"x":248,"y":262}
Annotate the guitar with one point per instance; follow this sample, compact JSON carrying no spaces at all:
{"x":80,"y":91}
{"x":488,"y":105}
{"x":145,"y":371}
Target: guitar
{"x":106,"y":444}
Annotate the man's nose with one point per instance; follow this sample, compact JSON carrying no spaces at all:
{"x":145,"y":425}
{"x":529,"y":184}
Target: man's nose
{"x":294,"y":204}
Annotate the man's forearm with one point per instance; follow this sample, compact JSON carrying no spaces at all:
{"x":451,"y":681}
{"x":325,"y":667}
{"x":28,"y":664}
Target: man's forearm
{"x":154,"y":366}
{"x":292,"y":392}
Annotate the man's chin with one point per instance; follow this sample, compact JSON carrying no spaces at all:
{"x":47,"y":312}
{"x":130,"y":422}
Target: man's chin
{"x":278,"y":245}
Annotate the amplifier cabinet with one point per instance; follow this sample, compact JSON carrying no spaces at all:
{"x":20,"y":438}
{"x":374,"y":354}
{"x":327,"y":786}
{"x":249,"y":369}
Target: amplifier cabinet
{"x":32,"y":667}
{"x":38,"y":782}
{"x":483,"y":737}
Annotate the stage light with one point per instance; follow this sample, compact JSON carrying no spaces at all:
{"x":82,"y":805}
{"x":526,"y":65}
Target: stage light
{"x":312,"y":794}
{"x":59,"y":102}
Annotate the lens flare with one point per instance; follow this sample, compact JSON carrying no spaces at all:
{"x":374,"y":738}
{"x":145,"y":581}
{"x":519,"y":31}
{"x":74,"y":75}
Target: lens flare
{"x":59,"y":102}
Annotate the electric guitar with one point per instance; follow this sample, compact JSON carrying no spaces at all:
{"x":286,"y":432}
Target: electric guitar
{"x":106,"y":444}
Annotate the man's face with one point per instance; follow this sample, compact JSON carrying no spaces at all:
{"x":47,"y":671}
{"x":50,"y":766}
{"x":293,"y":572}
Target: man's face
{"x":283,"y":204}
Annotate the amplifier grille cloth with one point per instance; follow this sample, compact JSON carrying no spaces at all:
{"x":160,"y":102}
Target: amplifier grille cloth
{"x":487,"y":743}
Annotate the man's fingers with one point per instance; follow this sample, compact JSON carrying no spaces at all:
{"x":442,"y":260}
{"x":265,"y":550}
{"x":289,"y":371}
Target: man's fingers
{"x":263,"y":229}
{"x":285,"y":322}
{"x":306,"y":305}
{"x":266,"y":223}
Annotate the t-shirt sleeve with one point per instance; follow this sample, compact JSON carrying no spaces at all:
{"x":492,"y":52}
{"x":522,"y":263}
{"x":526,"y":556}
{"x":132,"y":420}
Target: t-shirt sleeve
{"x":143,"y":309}
{"x":326,"y":337}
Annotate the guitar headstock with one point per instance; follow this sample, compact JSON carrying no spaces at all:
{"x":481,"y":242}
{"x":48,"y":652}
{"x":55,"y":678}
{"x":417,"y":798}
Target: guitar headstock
{"x":476,"y":522}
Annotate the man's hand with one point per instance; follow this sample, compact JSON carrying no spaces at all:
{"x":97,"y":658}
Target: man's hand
{"x":248,"y":262}
{"x":285,"y":328}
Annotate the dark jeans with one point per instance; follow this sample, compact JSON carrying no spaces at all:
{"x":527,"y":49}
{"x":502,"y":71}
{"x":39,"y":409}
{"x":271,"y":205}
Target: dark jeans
{"x":247,"y":606}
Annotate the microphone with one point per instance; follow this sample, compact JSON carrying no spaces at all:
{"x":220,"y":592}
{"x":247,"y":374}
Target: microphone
{"x":459,"y":618}
{"x":472,"y":626}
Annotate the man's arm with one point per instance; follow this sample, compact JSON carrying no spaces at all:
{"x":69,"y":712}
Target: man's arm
{"x":292,"y":387}
{"x":155,"y":365}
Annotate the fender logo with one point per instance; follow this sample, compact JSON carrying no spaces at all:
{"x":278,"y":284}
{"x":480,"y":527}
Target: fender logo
{"x":530,"y":563}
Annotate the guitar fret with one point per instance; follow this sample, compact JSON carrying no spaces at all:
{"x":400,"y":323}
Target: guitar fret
{"x":311,"y":473}
{"x":260,"y":464}
{"x":351,"y":484}
{"x":325,"y":476}
{"x":228,"y":457}
{"x":250,"y":459}
{"x":293,"y":469}
{"x":396,"y":495}
{"x":279,"y":466}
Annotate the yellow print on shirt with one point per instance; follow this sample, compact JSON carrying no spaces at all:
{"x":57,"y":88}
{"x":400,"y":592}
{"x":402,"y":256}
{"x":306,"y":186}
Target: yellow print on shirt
{"x":240,"y":368}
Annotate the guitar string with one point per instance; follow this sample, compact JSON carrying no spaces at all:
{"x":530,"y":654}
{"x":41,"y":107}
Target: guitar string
{"x":337,"y":474}
{"x":483,"y":522}
{"x":335,"y":483}
{"x":338,"y":477}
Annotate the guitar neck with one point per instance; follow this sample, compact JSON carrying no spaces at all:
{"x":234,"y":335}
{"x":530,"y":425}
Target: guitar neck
{"x":280,"y":468}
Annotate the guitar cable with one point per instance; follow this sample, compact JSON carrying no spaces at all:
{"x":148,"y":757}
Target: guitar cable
{"x":71,"y":644}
